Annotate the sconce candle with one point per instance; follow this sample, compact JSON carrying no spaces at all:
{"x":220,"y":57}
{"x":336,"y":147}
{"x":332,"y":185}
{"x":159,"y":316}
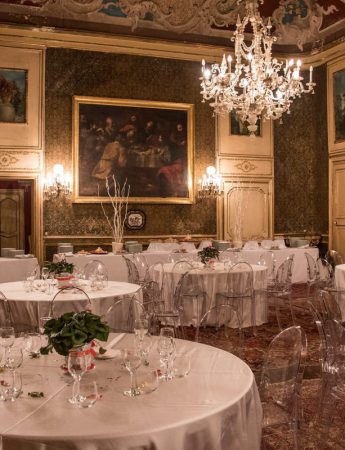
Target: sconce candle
{"x":57,"y":183}
{"x":211,"y":184}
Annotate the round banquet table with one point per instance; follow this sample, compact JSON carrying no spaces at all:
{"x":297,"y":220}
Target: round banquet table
{"x":215,"y":407}
{"x":215,"y":281}
{"x":27,"y":307}
{"x":16,"y":269}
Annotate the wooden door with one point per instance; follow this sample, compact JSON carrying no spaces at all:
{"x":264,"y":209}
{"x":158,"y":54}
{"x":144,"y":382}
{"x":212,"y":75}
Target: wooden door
{"x":337,"y":206}
{"x":12,"y":232}
{"x":247,"y":209}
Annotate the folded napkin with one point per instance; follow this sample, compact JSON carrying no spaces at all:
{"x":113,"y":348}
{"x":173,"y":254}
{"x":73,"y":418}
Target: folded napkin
{"x":114,"y":341}
{"x":110,"y":352}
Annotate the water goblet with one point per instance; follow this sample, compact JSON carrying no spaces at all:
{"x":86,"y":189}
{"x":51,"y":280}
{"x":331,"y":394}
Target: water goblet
{"x":77,"y":366}
{"x":44,"y":273}
{"x":10,"y":385}
{"x":181,"y":366}
{"x":13,"y":362}
{"x":88,"y":393}
{"x":131,"y":361}
{"x":7,"y":337}
{"x":33,"y":344}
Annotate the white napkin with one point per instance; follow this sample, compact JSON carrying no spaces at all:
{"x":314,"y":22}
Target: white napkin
{"x":114,"y":341}
{"x":110,"y":352}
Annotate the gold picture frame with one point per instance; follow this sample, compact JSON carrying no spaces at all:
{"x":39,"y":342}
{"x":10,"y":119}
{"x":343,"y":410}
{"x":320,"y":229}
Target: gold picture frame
{"x":336,"y":106}
{"x":26,"y":133}
{"x":148,"y":143}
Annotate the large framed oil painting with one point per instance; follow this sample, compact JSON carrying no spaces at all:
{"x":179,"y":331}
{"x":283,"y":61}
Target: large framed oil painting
{"x":21,"y":88}
{"x":148,"y":144}
{"x":336,"y":105}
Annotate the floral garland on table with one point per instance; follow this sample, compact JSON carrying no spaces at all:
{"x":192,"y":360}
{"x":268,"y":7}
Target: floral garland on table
{"x":208,"y":253}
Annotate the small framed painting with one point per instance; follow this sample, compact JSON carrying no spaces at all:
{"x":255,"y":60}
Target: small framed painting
{"x":146,"y":144}
{"x":135,"y":219}
{"x":237,"y":128}
{"x":21,"y":89}
{"x":336,"y":106}
{"x":13,"y":95}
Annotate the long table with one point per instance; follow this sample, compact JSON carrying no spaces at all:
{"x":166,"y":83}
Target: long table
{"x":216,"y":406}
{"x":117,"y":270}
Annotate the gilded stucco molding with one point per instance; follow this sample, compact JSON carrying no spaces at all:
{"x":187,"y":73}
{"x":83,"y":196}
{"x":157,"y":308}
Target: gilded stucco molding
{"x":246,"y":166}
{"x":26,"y":161}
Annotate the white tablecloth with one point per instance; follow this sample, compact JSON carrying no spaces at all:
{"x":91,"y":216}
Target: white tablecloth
{"x":15,"y":269}
{"x":116,"y":266}
{"x":216,"y":407}
{"x":27,"y":308}
{"x":299,"y":271}
{"x":215,"y":281}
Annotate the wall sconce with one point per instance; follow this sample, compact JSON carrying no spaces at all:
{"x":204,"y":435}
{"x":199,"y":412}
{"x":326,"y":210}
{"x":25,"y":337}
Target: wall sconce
{"x":211,"y":184}
{"x":57,"y":183}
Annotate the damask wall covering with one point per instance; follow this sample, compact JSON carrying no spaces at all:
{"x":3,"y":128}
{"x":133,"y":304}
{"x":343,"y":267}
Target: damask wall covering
{"x":301,"y":163}
{"x":73,"y":72}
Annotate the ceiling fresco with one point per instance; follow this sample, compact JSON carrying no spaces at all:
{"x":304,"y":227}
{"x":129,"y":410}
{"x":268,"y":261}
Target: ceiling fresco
{"x":307,"y":24}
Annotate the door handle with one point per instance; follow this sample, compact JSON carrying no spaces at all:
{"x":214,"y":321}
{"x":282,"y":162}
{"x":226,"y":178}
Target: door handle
{"x":335,"y":223}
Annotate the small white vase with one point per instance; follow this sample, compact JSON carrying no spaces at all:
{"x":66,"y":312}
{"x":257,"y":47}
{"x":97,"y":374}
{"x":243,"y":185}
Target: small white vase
{"x":117,"y":247}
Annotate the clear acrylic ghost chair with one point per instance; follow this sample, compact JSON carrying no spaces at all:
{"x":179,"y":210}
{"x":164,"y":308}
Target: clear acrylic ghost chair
{"x":280,"y":384}
{"x":132,"y":271}
{"x":268,"y":260}
{"x":190,"y":297}
{"x":123,"y":312}
{"x":334,"y":258}
{"x":140,"y":262}
{"x":313,"y":281}
{"x":97,"y":273}
{"x":69,"y":299}
{"x":240,"y":289}
{"x":5,"y":312}
{"x":280,"y":289}
{"x":215,"y":325}
{"x":326,"y":274}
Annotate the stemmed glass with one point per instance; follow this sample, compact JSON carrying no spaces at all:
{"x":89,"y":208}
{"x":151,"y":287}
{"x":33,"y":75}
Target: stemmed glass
{"x":6,"y":339}
{"x":143,"y":346}
{"x":13,"y":362}
{"x":77,"y":366}
{"x":132,"y":362}
{"x":141,"y":328}
{"x":44,"y":273}
{"x":166,"y":349}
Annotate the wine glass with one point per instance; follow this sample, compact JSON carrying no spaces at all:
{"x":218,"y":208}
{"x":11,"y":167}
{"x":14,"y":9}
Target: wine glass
{"x":77,"y":366}
{"x":13,"y":362}
{"x":131,"y":361}
{"x":143,"y":346}
{"x":44,"y":273}
{"x":10,"y":385}
{"x":33,"y":344}
{"x":166,"y":349}
{"x":6,"y":339}
{"x":141,"y":327}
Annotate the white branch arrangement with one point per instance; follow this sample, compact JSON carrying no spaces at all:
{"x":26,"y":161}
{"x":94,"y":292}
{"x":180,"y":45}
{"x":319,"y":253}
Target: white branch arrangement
{"x":241,"y":200}
{"x":119,"y":202}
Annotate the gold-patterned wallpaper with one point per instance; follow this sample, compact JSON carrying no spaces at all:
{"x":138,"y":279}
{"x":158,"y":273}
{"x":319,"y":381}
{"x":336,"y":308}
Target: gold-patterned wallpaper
{"x":301,"y":163}
{"x":74,"y":72}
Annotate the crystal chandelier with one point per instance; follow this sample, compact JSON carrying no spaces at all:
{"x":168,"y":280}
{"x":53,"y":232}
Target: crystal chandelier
{"x":211,"y":184}
{"x":57,"y":183}
{"x":258,"y":85}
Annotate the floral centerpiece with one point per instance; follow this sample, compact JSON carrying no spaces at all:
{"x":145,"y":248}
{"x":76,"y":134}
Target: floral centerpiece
{"x":59,"y":267}
{"x":208,"y":253}
{"x":73,"y":330}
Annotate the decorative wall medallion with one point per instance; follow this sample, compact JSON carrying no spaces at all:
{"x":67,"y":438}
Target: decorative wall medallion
{"x":7,"y":159}
{"x":135,"y":219}
{"x":245,"y":166}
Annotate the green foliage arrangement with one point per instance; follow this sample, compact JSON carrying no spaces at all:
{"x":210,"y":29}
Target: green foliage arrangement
{"x":59,"y":267}
{"x":72,"y":330}
{"x":208,"y":253}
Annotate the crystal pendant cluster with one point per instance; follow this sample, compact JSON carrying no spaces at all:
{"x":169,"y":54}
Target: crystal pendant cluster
{"x":255,"y":84}
{"x":57,"y":183}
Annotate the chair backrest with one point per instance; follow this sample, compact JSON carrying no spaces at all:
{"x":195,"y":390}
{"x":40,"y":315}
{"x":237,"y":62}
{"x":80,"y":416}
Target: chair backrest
{"x":183,"y":265}
{"x":283,"y":278}
{"x":331,"y":306}
{"x":123,"y":312}
{"x":313,"y":272}
{"x":60,"y":304}
{"x":326,"y":272}
{"x":218,"y":316}
{"x":240,"y":280}
{"x":334,"y":257}
{"x":95,"y":268}
{"x":140,"y":262}
{"x":132,"y":271}
{"x":268,"y":260}
{"x":192,"y":284}
{"x":282,"y":370}
{"x":5,"y":311}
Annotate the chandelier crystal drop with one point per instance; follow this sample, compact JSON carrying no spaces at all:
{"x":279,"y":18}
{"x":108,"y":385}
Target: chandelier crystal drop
{"x":255,"y":84}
